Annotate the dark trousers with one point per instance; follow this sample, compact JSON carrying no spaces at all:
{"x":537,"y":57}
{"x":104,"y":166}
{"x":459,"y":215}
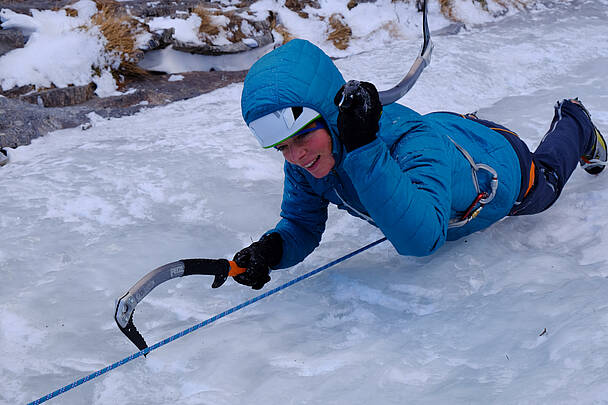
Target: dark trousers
{"x":570,"y":136}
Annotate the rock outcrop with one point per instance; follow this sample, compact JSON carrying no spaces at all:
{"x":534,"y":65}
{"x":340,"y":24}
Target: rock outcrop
{"x":23,"y":121}
{"x":28,"y":113}
{"x":10,"y":39}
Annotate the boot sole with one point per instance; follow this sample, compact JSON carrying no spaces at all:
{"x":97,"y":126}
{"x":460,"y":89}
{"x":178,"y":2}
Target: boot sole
{"x":596,"y":168}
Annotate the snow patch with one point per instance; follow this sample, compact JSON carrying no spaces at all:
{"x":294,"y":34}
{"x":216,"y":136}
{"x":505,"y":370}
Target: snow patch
{"x":175,"y":78}
{"x":60,"y":50}
{"x":185,"y":30}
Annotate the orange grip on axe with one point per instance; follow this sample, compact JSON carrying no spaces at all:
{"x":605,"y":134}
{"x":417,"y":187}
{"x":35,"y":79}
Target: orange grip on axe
{"x":235,"y":270}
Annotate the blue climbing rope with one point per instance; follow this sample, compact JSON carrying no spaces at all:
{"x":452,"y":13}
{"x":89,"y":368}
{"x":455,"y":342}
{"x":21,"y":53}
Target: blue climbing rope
{"x":200,"y":325}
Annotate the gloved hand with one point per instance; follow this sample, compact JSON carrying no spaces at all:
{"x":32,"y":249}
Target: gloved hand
{"x":258,"y":258}
{"x":360,"y":111}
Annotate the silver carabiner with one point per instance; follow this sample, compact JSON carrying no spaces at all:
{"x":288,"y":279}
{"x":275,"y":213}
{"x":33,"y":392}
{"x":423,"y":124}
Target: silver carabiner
{"x":471,"y":212}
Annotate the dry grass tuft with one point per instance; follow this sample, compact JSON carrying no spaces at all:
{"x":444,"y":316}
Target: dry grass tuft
{"x":70,"y":12}
{"x":483,"y":4}
{"x":519,"y":4}
{"x":447,"y":10}
{"x":207,"y":27}
{"x":341,"y":32}
{"x":235,"y":34}
{"x":393,"y":29}
{"x":287,"y":36}
{"x":53,"y":6}
{"x":119,"y":29}
{"x":280,"y":28}
{"x":295,"y":5}
{"x":447,"y":6}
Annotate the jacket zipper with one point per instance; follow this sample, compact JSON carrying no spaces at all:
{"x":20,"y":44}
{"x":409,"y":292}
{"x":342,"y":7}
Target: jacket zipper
{"x":365,"y":216}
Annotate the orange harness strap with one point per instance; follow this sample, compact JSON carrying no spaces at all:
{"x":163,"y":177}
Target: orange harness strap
{"x":532,"y":178}
{"x":504,"y":130}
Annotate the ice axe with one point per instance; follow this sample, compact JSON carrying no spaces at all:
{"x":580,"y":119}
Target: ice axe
{"x":423,"y":60}
{"x":221,"y":269}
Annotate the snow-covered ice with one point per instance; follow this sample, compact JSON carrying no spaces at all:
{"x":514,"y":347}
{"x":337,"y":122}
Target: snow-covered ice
{"x":60,"y":50}
{"x":86,"y":213}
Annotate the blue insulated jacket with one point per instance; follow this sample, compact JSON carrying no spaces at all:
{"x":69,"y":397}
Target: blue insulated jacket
{"x":409,"y":182}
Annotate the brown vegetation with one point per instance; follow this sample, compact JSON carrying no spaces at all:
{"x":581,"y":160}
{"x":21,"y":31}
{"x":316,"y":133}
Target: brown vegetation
{"x":207,"y":27}
{"x":280,"y":28}
{"x":341,"y":33}
{"x":447,"y":10}
{"x":235,"y":33}
{"x":297,"y":6}
{"x":447,"y":6}
{"x":120,"y":30}
{"x":70,"y":12}
{"x":518,"y":4}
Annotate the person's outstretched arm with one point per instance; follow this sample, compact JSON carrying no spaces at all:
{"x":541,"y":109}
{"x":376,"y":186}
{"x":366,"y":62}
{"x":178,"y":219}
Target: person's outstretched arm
{"x":297,"y":234}
{"x":303,"y":217}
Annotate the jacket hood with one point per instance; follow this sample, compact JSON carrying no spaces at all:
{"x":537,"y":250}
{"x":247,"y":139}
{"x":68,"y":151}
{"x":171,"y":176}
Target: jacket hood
{"x":295,"y":74}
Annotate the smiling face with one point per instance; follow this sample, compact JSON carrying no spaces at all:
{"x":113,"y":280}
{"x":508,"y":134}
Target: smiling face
{"x":312,"y":151}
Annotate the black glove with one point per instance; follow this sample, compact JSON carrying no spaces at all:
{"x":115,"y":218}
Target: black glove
{"x":258,"y":258}
{"x":360,"y":111}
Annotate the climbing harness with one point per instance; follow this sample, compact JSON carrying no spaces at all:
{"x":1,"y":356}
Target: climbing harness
{"x":482,"y":197}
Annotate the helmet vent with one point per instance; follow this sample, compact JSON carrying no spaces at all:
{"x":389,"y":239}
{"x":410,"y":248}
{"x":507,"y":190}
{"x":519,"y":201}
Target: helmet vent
{"x":297,"y":111}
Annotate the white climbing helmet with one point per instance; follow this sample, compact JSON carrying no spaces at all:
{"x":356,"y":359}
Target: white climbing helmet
{"x":274,"y":128}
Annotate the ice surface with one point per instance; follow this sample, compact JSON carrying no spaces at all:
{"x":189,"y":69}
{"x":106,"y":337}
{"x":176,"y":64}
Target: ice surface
{"x":85,"y":214}
{"x":171,"y":61}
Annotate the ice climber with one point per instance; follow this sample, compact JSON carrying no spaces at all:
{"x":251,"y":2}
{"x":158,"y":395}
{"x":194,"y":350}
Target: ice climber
{"x":421,"y":179}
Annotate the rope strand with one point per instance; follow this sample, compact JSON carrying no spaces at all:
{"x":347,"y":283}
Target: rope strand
{"x":200,"y":325}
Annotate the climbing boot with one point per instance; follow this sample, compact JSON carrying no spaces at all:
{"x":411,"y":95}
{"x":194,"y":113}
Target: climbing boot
{"x":595,"y":160}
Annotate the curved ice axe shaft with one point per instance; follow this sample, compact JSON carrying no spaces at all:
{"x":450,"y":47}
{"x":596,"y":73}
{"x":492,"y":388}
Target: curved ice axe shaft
{"x":423,"y":60}
{"x":220,"y":268}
